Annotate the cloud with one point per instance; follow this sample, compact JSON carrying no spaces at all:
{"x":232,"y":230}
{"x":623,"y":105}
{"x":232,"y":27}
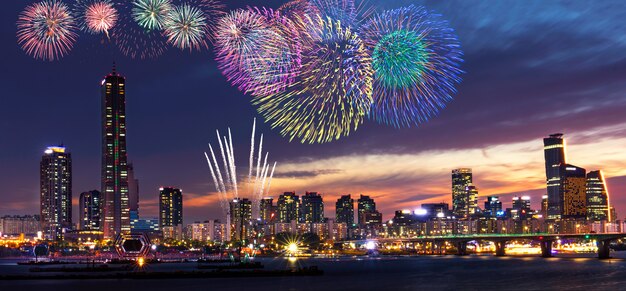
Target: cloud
{"x":306,"y":174}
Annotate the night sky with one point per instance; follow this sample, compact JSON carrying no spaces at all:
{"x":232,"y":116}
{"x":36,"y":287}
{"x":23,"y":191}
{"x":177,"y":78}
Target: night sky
{"x":532,"y":68}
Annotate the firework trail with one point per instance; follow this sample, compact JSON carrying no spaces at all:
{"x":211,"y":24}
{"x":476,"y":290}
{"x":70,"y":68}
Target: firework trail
{"x":416,"y":58}
{"x":332,"y":94}
{"x":224,"y":176}
{"x":46,"y":30}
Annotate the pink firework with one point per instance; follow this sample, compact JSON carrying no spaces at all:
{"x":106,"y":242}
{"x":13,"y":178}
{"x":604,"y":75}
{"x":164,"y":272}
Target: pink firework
{"x":46,"y":30}
{"x":100,"y":17}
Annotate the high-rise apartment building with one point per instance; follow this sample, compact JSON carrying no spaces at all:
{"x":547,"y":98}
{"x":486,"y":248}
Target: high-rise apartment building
{"x":597,"y":197}
{"x":89,"y":210}
{"x":472,"y":199}
{"x":544,"y":206}
{"x":312,"y":209}
{"x":493,"y":206}
{"x":344,"y":210}
{"x":461,"y":179}
{"x":268,"y":210}
{"x":170,"y":207}
{"x":115,"y":198}
{"x":554,"y":153}
{"x":55,"y":191}
{"x":288,"y":207}
{"x":240,"y":217}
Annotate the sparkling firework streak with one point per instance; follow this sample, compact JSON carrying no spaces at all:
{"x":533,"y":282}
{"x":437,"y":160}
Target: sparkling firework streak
{"x":46,"y":30}
{"x":95,"y":16}
{"x":151,"y":14}
{"x":333,"y":92}
{"x":224,"y":176}
{"x":186,"y":27}
{"x":257,"y":50}
{"x":416,"y":59}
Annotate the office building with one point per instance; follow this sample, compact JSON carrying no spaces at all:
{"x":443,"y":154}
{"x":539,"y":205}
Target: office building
{"x":55,"y":192}
{"x":344,"y":210}
{"x":461,"y":179}
{"x":597,"y":197}
{"x":170,"y":207}
{"x":544,"y":206}
{"x":472,"y":200}
{"x":115,"y":190}
{"x":364,"y":204}
{"x":312,"y":209}
{"x":89,"y":210}
{"x":573,"y":184}
{"x":288,"y":207}
{"x":554,"y":154}
{"x":29,"y":225}
{"x":493,"y":206}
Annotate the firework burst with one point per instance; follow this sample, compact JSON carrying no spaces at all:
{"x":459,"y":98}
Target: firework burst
{"x":46,"y":30}
{"x":257,"y":50}
{"x":332,"y":93}
{"x":134,"y":40}
{"x":186,"y":27}
{"x":416,"y":59}
{"x":96,"y":16}
{"x":151,"y":14}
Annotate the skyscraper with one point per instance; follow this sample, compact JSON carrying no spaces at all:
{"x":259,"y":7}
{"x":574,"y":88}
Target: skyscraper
{"x":522,"y":205}
{"x":288,"y":207}
{"x":544,"y":206}
{"x":170,"y":207}
{"x":133,"y":192}
{"x":240,"y":216}
{"x":365,"y":204}
{"x":597,"y":197}
{"x":115,"y":200}
{"x":312,"y":209}
{"x":554,"y":153}
{"x":89,"y":210}
{"x":55,"y":191}
{"x":461,"y":179}
{"x":573,"y":182}
{"x":344,"y":210}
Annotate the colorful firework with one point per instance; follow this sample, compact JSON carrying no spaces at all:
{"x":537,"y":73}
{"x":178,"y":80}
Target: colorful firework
{"x":212,"y":10}
{"x":332,"y":94}
{"x":186,"y":27}
{"x":134,"y":40}
{"x":46,"y":30}
{"x":416,"y":59}
{"x":96,"y":16}
{"x":151,"y":14}
{"x":257,"y":50}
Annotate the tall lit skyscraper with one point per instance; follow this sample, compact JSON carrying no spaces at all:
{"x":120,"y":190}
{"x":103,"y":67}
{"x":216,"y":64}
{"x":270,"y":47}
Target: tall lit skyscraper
{"x":55,"y":191}
{"x":170,"y":207}
{"x":554,"y":153}
{"x":115,"y":200}
{"x":461,"y":179}
{"x":344,"y":210}
{"x":312,"y":210}
{"x":288,"y":207}
{"x":133,"y":192}
{"x":597,"y":197}
{"x":240,"y":216}
{"x":472,"y":199}
{"x":365,"y":204}
{"x":573,"y":182}
{"x":89,"y":210}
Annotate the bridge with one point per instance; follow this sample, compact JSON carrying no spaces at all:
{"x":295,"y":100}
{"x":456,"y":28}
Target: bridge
{"x":500,"y":240}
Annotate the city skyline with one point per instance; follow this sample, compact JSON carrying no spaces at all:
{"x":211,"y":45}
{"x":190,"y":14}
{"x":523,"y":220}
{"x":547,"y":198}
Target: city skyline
{"x":169,"y":125}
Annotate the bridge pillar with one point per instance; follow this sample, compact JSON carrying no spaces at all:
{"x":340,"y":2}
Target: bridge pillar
{"x":461,"y":248}
{"x":603,"y":249}
{"x":500,"y":248}
{"x":546,"y":248}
